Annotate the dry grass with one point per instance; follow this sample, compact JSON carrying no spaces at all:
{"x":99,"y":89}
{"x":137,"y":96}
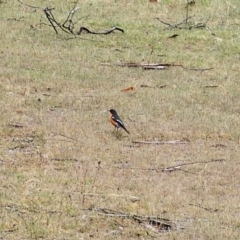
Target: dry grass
{"x":58,"y":155}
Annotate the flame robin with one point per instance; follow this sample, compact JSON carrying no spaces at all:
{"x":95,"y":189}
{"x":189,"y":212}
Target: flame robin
{"x":116,"y":121}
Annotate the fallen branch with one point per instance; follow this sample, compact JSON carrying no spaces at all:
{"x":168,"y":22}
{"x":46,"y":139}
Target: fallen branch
{"x":64,"y":159}
{"x":210,"y":86}
{"x":55,"y":24}
{"x":31,"y":6}
{"x":184,"y":21}
{"x":15,"y":19}
{"x":173,"y":168}
{"x":162,"y":142}
{"x":66,"y":136}
{"x":16,"y":125}
{"x":50,"y":17}
{"x":139,"y":169}
{"x":176,"y":25}
{"x":157,"y":224}
{"x":150,"y":67}
{"x":157,"y":66}
{"x":146,"y":86}
{"x":132,"y":145}
{"x":178,"y":167}
{"x":207,"y":209}
{"x":218,"y":145}
{"x":145,"y":66}
{"x":68,"y":25}
{"x":198,"y":69}
{"x":86,"y":30}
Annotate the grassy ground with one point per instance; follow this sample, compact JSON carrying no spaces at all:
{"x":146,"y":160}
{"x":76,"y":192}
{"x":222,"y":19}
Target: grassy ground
{"x":61,"y":165}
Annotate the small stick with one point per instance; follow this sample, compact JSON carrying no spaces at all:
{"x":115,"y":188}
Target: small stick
{"x":207,"y":209}
{"x":164,"y":22}
{"x":162,"y":142}
{"x":174,"y":25}
{"x":70,"y":17}
{"x":191,"y":163}
{"x":187,"y":12}
{"x":65,"y":136}
{"x":48,"y":14}
{"x":198,"y":69}
{"x":103,"y":33}
{"x":28,"y":5}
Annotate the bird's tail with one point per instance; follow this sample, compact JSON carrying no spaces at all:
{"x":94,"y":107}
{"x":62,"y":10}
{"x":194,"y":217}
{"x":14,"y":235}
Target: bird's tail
{"x":126,"y":130}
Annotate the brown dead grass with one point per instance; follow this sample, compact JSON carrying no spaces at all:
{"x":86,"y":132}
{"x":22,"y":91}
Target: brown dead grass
{"x":59,"y":158}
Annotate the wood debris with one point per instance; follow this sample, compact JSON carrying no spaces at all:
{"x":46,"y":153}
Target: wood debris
{"x":163,"y":142}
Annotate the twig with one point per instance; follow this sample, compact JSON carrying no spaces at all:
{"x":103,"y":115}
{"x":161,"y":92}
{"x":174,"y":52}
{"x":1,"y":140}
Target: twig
{"x":156,"y":223}
{"x":174,"y":25}
{"x":64,"y":159}
{"x":69,"y":21}
{"x":29,"y":5}
{"x":140,"y":169}
{"x":72,"y":12}
{"x":149,"y":67}
{"x":198,"y":69}
{"x":146,"y":86}
{"x":132,"y":64}
{"x":173,"y":168}
{"x":162,"y":142}
{"x":207,"y":209}
{"x":158,"y":170}
{"x":178,"y":24}
{"x":65,"y":136}
{"x":69,"y":18}
{"x":186,"y":171}
{"x":160,"y":66}
{"x":210,"y":86}
{"x":15,"y":19}
{"x":52,"y":20}
{"x":163,"y":22}
{"x":83,"y":185}
{"x":218,"y":145}
{"x":84,"y":29}
{"x":50,"y":17}
{"x":184,"y":21}
{"x":145,"y":66}
{"x":187,"y":12}
{"x":177,"y":167}
{"x":16,"y":125}
{"x":96,"y":175}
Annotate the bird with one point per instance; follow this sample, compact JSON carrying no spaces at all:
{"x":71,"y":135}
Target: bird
{"x":116,"y":121}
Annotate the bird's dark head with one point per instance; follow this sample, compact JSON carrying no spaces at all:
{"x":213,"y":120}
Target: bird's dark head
{"x":112,"y":111}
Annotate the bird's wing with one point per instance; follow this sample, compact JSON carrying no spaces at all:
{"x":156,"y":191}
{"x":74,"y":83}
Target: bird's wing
{"x":118,"y":121}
